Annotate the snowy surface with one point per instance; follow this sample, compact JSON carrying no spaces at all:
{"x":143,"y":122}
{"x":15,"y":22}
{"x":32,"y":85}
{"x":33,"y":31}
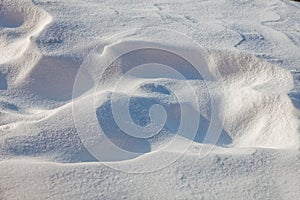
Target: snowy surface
{"x":44,"y":47}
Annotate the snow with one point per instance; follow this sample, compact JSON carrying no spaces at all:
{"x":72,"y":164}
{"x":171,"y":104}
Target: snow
{"x":149,"y":100}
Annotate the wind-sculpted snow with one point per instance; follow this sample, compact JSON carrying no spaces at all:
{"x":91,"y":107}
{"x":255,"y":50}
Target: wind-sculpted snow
{"x":255,"y":101}
{"x":93,"y":91}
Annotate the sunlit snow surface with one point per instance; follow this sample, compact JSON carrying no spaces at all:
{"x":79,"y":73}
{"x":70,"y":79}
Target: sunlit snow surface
{"x":47,"y":130}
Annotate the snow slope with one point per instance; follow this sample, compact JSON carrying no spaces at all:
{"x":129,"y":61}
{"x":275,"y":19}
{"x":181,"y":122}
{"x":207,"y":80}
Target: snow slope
{"x":55,"y":95}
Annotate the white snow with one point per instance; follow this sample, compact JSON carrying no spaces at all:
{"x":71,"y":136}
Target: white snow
{"x":58,"y":86}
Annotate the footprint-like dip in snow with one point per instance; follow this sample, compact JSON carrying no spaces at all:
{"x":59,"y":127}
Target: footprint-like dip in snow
{"x":10,"y":19}
{"x":3,"y":82}
{"x":19,"y":22}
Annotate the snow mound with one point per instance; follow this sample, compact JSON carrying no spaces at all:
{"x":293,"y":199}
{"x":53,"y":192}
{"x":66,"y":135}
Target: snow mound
{"x":255,"y":104}
{"x":48,"y":78}
{"x":256,"y":93}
